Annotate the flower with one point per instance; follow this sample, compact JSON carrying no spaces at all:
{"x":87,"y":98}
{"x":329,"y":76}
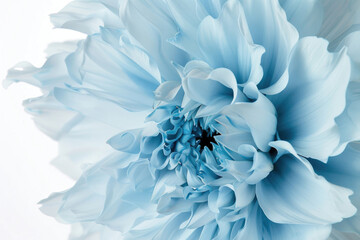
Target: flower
{"x":219,"y":119}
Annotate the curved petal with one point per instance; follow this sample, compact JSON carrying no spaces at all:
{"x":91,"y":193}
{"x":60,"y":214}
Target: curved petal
{"x":340,"y":19}
{"x":167,"y":91}
{"x":262,"y":166}
{"x":151,"y":24}
{"x":50,"y":116}
{"x":233,"y":141}
{"x":344,"y":170}
{"x":87,"y":16}
{"x":81,"y":139}
{"x":91,"y":230}
{"x":349,"y":120}
{"x":244,"y":194}
{"x":269,"y":27}
{"x":109,"y":65}
{"x":257,"y":226}
{"x":259,"y":115}
{"x":226,"y":42}
{"x":188,"y":15}
{"x":82,"y":146}
{"x":351,"y":42}
{"x":296,"y":231}
{"x":171,"y":229}
{"x":201,"y":215}
{"x":137,"y":141}
{"x":53,"y":73}
{"x":100,"y":109}
{"x":104,"y":196}
{"x":125,"y":204}
{"x":209,"y":87}
{"x":306,"y":15}
{"x":332,"y":20}
{"x":293,"y":194}
{"x":87,"y":197}
{"x":128,"y":141}
{"x":188,"y":20}
{"x":313,"y":98}
{"x":252,"y":226}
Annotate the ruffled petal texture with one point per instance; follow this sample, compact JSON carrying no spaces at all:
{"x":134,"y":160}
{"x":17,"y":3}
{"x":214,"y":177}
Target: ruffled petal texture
{"x":204,"y":119}
{"x":87,"y":16}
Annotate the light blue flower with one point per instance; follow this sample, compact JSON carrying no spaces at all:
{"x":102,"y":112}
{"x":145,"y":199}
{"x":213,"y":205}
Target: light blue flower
{"x":194,"y":119}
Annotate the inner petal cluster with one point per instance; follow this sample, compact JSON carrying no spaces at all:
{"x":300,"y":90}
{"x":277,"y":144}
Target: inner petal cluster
{"x":184,"y":140}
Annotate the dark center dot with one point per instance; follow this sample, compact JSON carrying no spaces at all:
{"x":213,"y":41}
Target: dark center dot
{"x":206,"y":138}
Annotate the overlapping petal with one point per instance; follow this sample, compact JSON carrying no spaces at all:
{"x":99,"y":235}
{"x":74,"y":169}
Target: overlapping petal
{"x":344,"y":170}
{"x":260,"y":116}
{"x":314,"y":201}
{"x":250,"y":119}
{"x":269,"y":28}
{"x":110,"y":66}
{"x":153,"y":29}
{"x":226,"y":42}
{"x":313,"y":98}
{"x":88,"y":16}
{"x":332,"y":20}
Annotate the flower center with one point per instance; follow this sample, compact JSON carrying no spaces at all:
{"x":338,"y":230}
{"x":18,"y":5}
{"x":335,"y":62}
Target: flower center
{"x":206,"y":139}
{"x":183,"y":135}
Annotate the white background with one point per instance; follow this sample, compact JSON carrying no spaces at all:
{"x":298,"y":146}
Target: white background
{"x":26,"y":176}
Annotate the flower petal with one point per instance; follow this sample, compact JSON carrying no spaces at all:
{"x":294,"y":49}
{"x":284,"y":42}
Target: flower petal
{"x":344,"y":170}
{"x":209,"y":87}
{"x":332,"y":20}
{"x":233,"y":141}
{"x":262,"y":166}
{"x":269,"y":27}
{"x":340,"y":19}
{"x":99,"y":109}
{"x":86,"y":16}
{"x":132,"y":141}
{"x":150,"y":22}
{"x":251,"y":228}
{"x":200,"y":217}
{"x":314,"y":96}
{"x":349,"y":120}
{"x":305,"y":15}
{"x":167,"y":91}
{"x":260,"y":116}
{"x":337,"y":235}
{"x":52,"y":73}
{"x":226,"y":42}
{"x":188,"y":20}
{"x":293,"y":194}
{"x":110,"y":66}
{"x":83,"y":145}
{"x":296,"y":231}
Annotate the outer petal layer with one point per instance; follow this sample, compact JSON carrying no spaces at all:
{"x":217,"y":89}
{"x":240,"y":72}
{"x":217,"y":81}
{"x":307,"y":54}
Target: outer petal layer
{"x":294,"y":194}
{"x":313,"y":98}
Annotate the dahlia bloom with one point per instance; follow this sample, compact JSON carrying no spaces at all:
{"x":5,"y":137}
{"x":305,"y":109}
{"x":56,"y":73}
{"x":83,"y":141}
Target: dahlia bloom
{"x":193,"y":119}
